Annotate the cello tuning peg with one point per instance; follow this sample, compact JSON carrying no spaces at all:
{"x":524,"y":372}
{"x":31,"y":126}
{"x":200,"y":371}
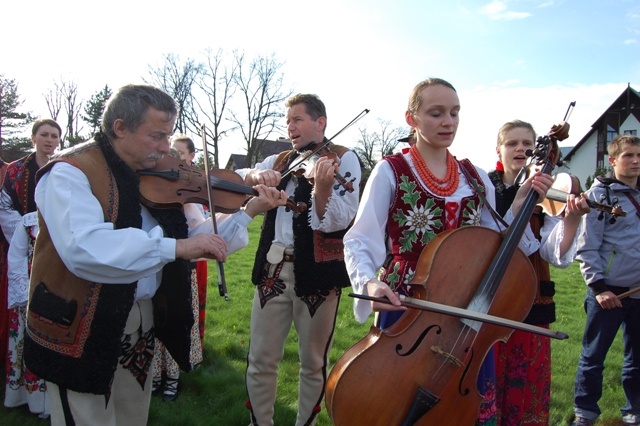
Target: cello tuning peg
{"x":612,"y":220}
{"x":601,"y":215}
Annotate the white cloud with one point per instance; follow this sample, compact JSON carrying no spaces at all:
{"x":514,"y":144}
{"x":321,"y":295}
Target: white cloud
{"x":497,"y":10}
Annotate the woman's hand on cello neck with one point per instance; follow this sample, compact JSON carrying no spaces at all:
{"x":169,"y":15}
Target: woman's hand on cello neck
{"x":377,"y":288}
{"x":539,"y":182}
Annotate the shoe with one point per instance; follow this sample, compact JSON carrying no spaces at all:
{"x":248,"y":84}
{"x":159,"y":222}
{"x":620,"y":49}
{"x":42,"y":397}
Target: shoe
{"x":155,"y":385}
{"x":581,"y":421}
{"x":631,"y":419}
{"x":170,"y":389}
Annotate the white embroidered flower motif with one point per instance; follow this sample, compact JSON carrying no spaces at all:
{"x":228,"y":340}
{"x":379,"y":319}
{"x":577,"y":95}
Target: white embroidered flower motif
{"x":472,"y":214}
{"x":419,"y":221}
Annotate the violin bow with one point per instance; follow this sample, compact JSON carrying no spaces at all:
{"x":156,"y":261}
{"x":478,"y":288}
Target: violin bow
{"x":425,"y":305}
{"x":222,"y":283}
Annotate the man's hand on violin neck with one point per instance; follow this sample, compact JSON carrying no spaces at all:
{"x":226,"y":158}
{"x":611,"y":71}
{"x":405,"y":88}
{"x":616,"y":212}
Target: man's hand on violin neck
{"x":210,"y":246}
{"x":263,"y":177}
{"x":267,"y":199}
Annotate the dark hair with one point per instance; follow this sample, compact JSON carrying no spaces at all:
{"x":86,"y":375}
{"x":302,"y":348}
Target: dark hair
{"x":131,"y":104}
{"x":186,"y":140}
{"x":414,"y":98}
{"x":43,"y":121}
{"x":312,"y":103}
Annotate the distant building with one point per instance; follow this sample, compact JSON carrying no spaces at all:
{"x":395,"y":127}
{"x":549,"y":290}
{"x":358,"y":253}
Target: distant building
{"x":266,"y":148}
{"x":590,"y":153}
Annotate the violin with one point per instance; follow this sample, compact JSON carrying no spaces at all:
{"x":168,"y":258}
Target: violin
{"x":423,"y":369}
{"x":305,"y":165}
{"x":565,"y":184}
{"x":173,"y":182}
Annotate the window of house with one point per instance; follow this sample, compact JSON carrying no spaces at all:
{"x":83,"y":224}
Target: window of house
{"x":631,"y":132}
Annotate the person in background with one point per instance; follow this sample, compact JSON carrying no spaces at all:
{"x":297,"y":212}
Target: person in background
{"x":109,"y":273}
{"x":523,"y":363}
{"x":163,"y":364}
{"x":429,"y":192}
{"x":22,"y":386}
{"x":4,"y":312}
{"x":299,"y":270}
{"x":609,"y":254}
{"x":17,"y":209}
{"x":185,"y":146}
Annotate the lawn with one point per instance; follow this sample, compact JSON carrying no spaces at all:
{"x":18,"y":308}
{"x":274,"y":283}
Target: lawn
{"x":214,"y":393}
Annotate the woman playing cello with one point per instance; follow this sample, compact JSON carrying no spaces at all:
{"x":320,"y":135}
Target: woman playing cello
{"x":523,"y":363}
{"x":411,"y":197}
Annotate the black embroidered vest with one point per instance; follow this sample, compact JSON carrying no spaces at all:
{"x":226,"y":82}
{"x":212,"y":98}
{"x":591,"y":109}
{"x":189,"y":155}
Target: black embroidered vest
{"x":543,"y":310}
{"x":318,"y":265}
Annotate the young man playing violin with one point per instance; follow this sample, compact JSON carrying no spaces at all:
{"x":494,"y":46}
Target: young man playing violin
{"x":523,"y":363}
{"x":109,"y":273}
{"x":608,"y":254}
{"x":299,"y":270}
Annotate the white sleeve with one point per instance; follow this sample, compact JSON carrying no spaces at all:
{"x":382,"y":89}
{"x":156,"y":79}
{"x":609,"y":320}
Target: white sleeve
{"x":364,"y":244}
{"x":90,"y":247}
{"x":18,"y":263}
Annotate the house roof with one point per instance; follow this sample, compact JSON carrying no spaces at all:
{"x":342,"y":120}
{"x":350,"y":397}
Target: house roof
{"x":266,"y":148}
{"x":623,"y":105}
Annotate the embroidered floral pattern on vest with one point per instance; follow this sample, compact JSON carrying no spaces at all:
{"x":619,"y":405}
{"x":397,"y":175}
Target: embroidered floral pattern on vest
{"x":416,"y":217}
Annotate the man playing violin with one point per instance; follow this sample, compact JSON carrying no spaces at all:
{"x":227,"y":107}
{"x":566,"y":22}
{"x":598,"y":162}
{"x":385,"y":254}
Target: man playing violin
{"x":109,"y":273}
{"x":608,"y":254}
{"x":299,"y":271}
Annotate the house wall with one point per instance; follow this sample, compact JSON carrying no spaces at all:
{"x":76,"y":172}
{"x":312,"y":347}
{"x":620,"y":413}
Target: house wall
{"x":583,"y":161}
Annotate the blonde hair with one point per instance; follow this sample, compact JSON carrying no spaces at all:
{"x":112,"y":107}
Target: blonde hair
{"x":414,"y":99}
{"x":514,"y":124}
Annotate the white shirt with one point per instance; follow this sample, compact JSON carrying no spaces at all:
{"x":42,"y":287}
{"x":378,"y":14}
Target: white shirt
{"x":366,"y":244}
{"x":93,"y":250}
{"x":341,"y":209}
{"x":18,"y":260}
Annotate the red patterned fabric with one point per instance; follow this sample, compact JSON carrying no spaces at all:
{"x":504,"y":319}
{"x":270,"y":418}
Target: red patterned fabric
{"x":523,"y":372}
{"x":201,"y":273}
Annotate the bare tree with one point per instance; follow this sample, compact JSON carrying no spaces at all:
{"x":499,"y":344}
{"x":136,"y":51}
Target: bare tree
{"x":261,"y":85}
{"x":216,"y":84}
{"x":372,"y":146}
{"x":72,"y":108}
{"x":54,"y":101}
{"x":177,"y":79}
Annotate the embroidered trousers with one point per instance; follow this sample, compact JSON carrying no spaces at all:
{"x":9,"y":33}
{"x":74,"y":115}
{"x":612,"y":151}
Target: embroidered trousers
{"x":128,"y":403}
{"x":270,"y":325}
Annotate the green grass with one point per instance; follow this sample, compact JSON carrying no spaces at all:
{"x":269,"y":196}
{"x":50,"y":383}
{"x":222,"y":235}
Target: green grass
{"x":215,"y":394}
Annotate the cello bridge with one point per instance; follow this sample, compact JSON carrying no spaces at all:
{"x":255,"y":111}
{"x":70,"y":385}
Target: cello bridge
{"x":452,"y":359}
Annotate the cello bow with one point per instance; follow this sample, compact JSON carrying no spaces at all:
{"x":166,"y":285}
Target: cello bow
{"x":425,"y":305}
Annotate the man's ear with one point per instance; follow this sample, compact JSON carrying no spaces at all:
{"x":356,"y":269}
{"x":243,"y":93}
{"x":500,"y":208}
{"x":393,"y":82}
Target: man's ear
{"x":322,"y":122}
{"x":119,"y":128}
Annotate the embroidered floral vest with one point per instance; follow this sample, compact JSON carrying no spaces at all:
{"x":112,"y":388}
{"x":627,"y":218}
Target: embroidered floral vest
{"x":20,"y":183}
{"x":416,"y":216}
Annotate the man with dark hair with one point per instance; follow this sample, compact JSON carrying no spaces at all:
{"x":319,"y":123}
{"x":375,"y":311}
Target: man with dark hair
{"x":110,"y":273}
{"x":299,"y":270}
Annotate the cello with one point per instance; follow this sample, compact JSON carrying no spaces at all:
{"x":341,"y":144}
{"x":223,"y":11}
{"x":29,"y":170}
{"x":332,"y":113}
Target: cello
{"x":423,"y":369}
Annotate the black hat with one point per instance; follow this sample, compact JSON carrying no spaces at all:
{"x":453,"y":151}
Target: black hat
{"x":412,"y":135}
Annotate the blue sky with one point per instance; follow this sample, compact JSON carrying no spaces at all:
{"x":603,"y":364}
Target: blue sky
{"x":508,"y":59}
